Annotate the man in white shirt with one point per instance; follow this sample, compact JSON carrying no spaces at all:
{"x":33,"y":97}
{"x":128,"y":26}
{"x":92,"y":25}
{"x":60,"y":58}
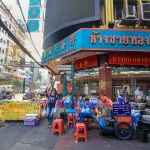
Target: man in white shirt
{"x":138,"y":95}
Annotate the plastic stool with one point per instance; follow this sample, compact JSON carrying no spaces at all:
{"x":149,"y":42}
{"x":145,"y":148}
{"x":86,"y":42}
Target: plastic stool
{"x":70,"y":120}
{"x":78,"y":133}
{"x":58,"y":126}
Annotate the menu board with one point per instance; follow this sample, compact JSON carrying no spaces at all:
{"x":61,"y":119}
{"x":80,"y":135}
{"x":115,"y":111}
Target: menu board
{"x":121,"y":110}
{"x":17,"y":111}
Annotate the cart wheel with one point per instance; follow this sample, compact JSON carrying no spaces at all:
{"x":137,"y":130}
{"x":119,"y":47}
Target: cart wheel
{"x":123,"y":131}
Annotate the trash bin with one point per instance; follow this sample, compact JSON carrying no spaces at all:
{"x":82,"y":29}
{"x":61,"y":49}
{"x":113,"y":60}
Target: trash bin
{"x":142,"y":134}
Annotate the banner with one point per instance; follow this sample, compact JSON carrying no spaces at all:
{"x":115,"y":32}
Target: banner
{"x":131,"y":59}
{"x":34,"y":12}
{"x":85,"y":63}
{"x":33,"y":25}
{"x":35,"y":2}
{"x":17,"y":111}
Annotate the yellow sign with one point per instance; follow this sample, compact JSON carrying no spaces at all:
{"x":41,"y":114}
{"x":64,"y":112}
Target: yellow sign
{"x":17,"y":111}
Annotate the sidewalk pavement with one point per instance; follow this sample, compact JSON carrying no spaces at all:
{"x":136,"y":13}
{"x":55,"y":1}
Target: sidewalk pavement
{"x":97,"y":142}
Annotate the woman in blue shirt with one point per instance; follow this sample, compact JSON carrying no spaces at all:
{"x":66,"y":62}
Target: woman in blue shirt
{"x":51,"y":105}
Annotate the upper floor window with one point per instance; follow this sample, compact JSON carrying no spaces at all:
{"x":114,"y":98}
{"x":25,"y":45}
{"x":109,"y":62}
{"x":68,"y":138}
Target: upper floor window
{"x":118,"y":9}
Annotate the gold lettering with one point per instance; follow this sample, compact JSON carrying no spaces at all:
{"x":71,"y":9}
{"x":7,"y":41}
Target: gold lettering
{"x":147,"y":41}
{"x":140,"y":40}
{"x":120,"y":39}
{"x":93,"y":39}
{"x":146,"y":59}
{"x":133,"y":40}
{"x":112,"y":39}
{"x":100,"y":39}
{"x":125,"y":40}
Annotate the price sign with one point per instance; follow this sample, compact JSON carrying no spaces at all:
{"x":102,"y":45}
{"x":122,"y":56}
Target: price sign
{"x":122,"y":110}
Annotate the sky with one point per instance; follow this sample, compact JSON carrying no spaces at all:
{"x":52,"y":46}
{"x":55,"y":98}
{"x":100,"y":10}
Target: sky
{"x":24,"y":5}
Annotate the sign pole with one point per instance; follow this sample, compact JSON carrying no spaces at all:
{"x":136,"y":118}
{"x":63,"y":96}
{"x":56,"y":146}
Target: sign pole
{"x":72,"y":74}
{"x":24,"y":84}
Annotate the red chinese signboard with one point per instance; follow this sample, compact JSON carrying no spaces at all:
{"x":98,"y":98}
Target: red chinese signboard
{"x":85,"y":63}
{"x":140,"y":59}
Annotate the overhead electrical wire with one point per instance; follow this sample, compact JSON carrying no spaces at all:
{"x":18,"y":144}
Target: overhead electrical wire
{"x":18,"y":42}
{"x":18,"y":2}
{"x":30,"y":39}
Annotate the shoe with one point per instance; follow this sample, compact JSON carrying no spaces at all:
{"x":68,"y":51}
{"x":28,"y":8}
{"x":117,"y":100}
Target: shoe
{"x":50,"y":126}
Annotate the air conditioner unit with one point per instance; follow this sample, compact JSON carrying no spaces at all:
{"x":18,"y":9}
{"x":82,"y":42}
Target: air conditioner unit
{"x":129,"y":12}
{"x":144,"y":11}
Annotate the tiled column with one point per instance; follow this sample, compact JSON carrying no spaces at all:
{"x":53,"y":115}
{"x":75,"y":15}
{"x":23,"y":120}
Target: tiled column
{"x":105,"y":76}
{"x":60,"y":85}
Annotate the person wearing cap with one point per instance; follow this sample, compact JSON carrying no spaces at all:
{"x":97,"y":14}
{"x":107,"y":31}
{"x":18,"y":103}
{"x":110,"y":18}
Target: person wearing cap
{"x":85,"y":105}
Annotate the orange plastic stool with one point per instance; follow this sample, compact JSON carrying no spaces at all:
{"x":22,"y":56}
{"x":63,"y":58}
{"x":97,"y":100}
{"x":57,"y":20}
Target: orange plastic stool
{"x":58,"y":126}
{"x":78,"y":134}
{"x":70,"y":120}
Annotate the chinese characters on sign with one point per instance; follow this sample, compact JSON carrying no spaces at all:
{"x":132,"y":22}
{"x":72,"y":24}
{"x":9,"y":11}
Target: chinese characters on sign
{"x":86,"y":63}
{"x":101,"y":40}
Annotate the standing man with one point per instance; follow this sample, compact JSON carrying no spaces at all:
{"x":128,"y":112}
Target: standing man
{"x":138,"y":95}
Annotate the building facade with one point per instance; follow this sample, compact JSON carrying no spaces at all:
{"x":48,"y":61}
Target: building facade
{"x":11,"y":56}
{"x":108,"y":41}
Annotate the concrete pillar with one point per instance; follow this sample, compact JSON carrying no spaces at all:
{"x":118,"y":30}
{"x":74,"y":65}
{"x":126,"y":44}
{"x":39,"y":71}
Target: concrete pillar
{"x":105,"y":76}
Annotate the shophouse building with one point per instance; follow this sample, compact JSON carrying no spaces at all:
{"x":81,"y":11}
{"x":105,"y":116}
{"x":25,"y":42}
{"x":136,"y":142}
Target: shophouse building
{"x":108,"y":41}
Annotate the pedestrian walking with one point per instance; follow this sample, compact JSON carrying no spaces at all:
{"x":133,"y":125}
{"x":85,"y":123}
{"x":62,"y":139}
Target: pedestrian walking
{"x":126,"y":95}
{"x":51,"y":110}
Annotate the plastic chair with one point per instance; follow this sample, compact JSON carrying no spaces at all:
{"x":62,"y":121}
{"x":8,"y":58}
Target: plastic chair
{"x":80,"y":131}
{"x":58,"y":126}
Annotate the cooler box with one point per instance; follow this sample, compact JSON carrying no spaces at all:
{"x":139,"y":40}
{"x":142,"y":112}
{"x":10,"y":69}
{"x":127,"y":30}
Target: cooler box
{"x":32,"y":122}
{"x":31,"y":119}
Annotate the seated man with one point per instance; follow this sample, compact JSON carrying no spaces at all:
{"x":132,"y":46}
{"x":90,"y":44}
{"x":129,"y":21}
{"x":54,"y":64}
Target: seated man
{"x":106,"y":101}
{"x":85,"y":104}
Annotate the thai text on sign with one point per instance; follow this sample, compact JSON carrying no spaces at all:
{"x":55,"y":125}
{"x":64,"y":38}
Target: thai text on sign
{"x":129,"y":59}
{"x":17,"y":111}
{"x":123,"y":40}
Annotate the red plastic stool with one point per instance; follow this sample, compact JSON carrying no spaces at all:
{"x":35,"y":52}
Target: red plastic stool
{"x":70,"y":120}
{"x":78,"y":134}
{"x":58,"y":126}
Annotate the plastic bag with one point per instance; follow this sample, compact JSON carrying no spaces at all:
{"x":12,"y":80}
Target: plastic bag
{"x":44,"y":113}
{"x":47,"y":111}
{"x":53,"y":112}
{"x":101,"y":123}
